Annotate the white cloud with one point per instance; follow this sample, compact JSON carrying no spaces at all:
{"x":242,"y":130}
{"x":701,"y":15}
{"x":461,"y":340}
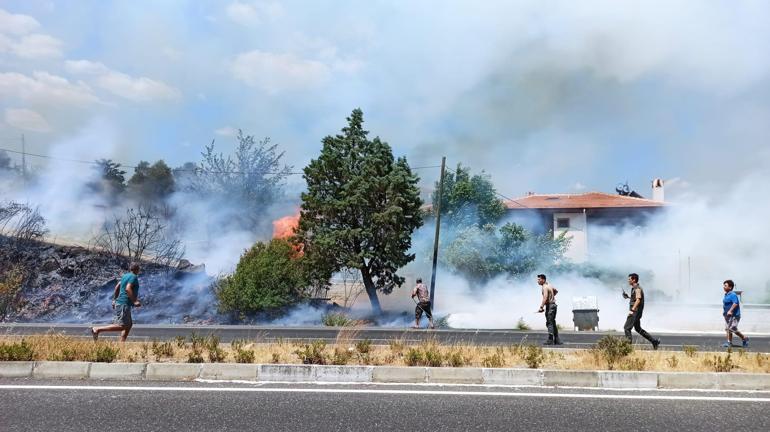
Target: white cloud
{"x":226,"y":131}
{"x":276,"y":72}
{"x":43,"y":87}
{"x":17,"y":24}
{"x":253,"y":12}
{"x":26,"y":119}
{"x":37,"y":46}
{"x":141,"y":89}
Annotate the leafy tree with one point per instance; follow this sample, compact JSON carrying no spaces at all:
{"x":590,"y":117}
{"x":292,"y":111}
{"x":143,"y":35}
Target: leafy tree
{"x":152,"y":182}
{"x":469,"y":199}
{"x":246,"y":183}
{"x":111,"y":182}
{"x":481,"y":253}
{"x":360,"y":209}
{"x":269,"y":275}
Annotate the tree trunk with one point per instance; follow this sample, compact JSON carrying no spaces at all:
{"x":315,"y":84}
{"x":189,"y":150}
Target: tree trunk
{"x":371,"y":290}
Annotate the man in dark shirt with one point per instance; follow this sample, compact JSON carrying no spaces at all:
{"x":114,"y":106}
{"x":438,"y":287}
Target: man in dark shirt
{"x":636,"y":307}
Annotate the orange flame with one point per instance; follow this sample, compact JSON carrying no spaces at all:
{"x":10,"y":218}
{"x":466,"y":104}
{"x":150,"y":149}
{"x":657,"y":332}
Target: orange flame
{"x":285,"y":226}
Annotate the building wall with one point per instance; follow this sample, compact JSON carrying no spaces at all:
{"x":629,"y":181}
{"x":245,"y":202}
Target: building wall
{"x":577,"y":232}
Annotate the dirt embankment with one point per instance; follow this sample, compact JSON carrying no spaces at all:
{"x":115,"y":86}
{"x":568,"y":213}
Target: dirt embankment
{"x":74,"y":284}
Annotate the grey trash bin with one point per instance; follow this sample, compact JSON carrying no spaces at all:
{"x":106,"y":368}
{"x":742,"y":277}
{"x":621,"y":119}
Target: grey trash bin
{"x":585,"y":313}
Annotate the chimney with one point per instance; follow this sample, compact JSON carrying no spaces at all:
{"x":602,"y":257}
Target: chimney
{"x":657,"y":190}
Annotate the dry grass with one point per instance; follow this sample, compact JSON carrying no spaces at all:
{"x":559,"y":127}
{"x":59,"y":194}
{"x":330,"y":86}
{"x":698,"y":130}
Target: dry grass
{"x":348,"y":350}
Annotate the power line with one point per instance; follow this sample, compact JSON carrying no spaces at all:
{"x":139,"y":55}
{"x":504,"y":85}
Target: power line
{"x":500,"y":195}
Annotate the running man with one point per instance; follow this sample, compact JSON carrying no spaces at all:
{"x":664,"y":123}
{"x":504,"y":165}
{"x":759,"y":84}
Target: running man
{"x":423,"y":304}
{"x":732,"y":313}
{"x":125,"y":297}
{"x":548,"y":305}
{"x":636,"y":307}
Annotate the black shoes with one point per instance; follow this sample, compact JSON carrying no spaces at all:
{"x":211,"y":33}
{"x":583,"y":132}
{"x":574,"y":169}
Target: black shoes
{"x":655,"y":343}
{"x":551,"y":342}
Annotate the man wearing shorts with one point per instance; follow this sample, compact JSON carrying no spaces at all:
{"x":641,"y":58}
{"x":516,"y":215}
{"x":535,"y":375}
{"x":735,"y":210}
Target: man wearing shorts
{"x":423,"y":304}
{"x":124,"y":299}
{"x":732,"y":314}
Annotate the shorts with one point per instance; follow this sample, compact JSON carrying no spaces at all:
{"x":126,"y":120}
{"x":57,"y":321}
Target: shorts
{"x":423,"y":306}
{"x":731,"y":323}
{"x":123,"y":316}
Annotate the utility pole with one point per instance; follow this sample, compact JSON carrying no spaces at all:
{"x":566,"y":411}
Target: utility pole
{"x":438,"y":228}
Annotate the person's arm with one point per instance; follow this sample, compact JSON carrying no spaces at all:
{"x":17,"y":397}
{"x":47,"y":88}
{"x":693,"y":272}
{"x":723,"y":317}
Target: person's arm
{"x":414,"y":291}
{"x":735,"y":305}
{"x":544,"y":300}
{"x":131,"y":294}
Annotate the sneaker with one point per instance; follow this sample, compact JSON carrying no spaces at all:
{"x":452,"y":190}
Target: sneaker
{"x":558,"y":342}
{"x":746,"y":343}
{"x":726,"y":345}
{"x":655,"y":343}
{"x":548,"y":342}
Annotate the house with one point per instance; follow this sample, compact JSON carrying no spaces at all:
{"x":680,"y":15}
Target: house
{"x":576,"y":214}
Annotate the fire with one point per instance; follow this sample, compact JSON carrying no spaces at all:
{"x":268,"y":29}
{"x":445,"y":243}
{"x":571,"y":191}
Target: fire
{"x":285,"y":226}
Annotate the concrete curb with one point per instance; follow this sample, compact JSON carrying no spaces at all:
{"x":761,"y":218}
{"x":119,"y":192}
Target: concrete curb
{"x":383,"y":374}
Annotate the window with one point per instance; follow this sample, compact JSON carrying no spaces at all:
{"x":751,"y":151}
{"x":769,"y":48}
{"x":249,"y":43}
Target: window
{"x":562,"y":223}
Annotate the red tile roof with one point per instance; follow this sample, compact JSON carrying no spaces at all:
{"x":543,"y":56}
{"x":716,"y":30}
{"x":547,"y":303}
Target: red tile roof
{"x":574,"y":201}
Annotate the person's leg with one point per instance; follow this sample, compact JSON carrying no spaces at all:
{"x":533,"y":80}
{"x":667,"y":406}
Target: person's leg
{"x":429,"y":313}
{"x":124,"y":333}
{"x":628,"y":326}
{"x":729,"y":330}
{"x":550,"y":322}
{"x":643,"y":332}
{"x":556,"y":339}
{"x":108,"y":328}
{"x":417,"y":316}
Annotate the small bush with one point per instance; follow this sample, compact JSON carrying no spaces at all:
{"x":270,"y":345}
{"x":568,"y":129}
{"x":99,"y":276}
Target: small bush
{"x":104,"y":353}
{"x":364,"y":346}
{"x":433,"y":356}
{"x":457,"y":359}
{"x":276,"y":358}
{"x":341,"y":356}
{"x":197,"y":344}
{"x":719,"y":363}
{"x":396,"y":346}
{"x":522,"y":325}
{"x":495,"y":360}
{"x":442,"y":322}
{"x":312,"y":353}
{"x":195,"y":356}
{"x":66,"y":354}
{"x":216,"y":353}
{"x":690,"y":350}
{"x":181,"y":341}
{"x":533,"y":356}
{"x":160,"y":350}
{"x":16,"y":351}
{"x":414,"y":357}
{"x":336,"y":319}
{"x":634,"y":364}
{"x":612,"y":349}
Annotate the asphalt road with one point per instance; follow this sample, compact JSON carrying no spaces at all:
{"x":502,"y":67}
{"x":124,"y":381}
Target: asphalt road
{"x":71,"y":406}
{"x":758,"y":343}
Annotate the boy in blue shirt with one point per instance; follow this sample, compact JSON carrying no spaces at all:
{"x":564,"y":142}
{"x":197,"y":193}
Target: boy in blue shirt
{"x":731,"y":310}
{"x":125,"y":297}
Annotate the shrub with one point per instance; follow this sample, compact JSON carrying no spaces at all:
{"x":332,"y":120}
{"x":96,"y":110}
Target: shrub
{"x":160,"y":350}
{"x":16,"y":351}
{"x":414,"y":357}
{"x":612,"y":349}
{"x":276,"y":358}
{"x":672,"y":361}
{"x":216,"y":353}
{"x":66,"y":354}
{"x":104,"y":353}
{"x":457,"y":359}
{"x":269,"y":275}
{"x":635,"y":364}
{"x":181,"y":341}
{"x":533,"y":356}
{"x":432,"y":355}
{"x":719,"y":363}
{"x":312,"y":353}
{"x":522,"y":325}
{"x":495,"y":360}
{"x":396,"y":346}
{"x":364,"y":346}
{"x":197,"y":344}
{"x":690,"y":350}
{"x":341,"y":356}
{"x":336,"y":319}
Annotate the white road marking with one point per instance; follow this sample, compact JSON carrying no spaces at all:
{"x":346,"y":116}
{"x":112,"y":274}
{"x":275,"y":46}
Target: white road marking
{"x":386,"y":392}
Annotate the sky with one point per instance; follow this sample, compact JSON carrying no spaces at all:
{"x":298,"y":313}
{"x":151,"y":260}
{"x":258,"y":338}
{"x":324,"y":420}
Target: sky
{"x":545,"y":96}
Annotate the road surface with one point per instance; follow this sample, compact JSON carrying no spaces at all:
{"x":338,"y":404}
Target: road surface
{"x":62,"y":406}
{"x":381,"y":335}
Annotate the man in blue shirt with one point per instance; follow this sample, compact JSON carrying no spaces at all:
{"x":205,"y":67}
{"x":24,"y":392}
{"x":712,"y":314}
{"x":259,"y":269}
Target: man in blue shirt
{"x":731,"y":310}
{"x":125,"y":297}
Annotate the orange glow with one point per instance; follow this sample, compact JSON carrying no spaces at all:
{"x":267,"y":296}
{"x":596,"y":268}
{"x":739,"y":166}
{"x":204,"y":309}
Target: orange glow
{"x":285,"y":226}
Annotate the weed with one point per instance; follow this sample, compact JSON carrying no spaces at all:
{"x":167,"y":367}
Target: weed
{"x":341,"y":356}
{"x":522,"y":325}
{"x":336,"y":319}
{"x":103,"y":353}
{"x":181,"y":341}
{"x":144,"y":351}
{"x":457,"y":359}
{"x":16,"y":351}
{"x":673,"y":362}
{"x":414,"y":357}
{"x":719,"y":363}
{"x":364,"y":346}
{"x":216,"y":353}
{"x":312,"y":353}
{"x":396,"y":346}
{"x":276,"y":358}
{"x":433,"y":356}
{"x":612,"y":349}
{"x":533,"y":356}
{"x":495,"y":360}
{"x":690,"y":350}
{"x":634,"y":364}
{"x":160,"y":350}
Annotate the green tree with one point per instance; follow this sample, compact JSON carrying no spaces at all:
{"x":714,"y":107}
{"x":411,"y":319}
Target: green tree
{"x":469,"y":199}
{"x":360,"y":209}
{"x":152,"y":182}
{"x":111,"y":182}
{"x":481,"y":253}
{"x":269,"y":275}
